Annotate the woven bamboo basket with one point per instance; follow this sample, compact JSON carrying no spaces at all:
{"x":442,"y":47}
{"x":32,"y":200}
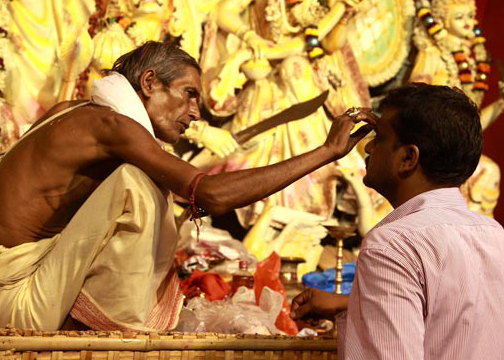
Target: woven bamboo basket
{"x":98,"y":345}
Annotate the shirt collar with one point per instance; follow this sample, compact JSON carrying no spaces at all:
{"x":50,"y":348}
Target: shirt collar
{"x":444,"y":197}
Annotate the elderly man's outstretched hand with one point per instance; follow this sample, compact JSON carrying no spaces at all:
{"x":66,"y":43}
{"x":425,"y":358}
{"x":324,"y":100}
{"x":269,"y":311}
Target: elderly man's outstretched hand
{"x":341,"y":139}
{"x":317,"y":304}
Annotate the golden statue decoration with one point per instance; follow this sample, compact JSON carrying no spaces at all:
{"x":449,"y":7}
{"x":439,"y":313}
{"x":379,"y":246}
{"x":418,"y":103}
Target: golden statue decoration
{"x":260,"y":58}
{"x":380,"y":35}
{"x":452,"y":52}
{"x":187,"y":22}
{"x":264,"y":45}
{"x":149,"y":19}
{"x":8,"y":130}
{"x":48,"y":48}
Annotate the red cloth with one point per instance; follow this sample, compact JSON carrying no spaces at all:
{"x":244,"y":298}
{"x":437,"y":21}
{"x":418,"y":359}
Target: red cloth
{"x":212,"y":285}
{"x":268,"y":274}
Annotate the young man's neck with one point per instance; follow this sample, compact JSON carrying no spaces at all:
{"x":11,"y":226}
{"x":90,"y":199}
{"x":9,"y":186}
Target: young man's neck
{"x":410,"y":188}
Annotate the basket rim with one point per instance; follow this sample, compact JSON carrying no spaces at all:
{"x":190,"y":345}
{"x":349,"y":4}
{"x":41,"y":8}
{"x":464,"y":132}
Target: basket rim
{"x":57,"y":343}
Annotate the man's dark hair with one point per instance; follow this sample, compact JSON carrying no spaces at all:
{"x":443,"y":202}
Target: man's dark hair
{"x":444,"y":124}
{"x":168,"y":60}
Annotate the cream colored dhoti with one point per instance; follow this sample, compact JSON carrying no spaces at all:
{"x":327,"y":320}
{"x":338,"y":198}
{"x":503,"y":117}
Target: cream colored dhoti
{"x":110,"y":268}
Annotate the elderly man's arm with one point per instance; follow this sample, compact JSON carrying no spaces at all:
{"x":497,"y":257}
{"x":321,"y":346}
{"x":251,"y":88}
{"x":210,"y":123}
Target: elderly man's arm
{"x":124,"y":139}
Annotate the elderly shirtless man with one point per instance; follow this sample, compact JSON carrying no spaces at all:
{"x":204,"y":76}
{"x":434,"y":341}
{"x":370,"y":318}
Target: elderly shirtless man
{"x":87,"y":226}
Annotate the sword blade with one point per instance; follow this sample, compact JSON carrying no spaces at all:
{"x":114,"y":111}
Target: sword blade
{"x":295,"y":112}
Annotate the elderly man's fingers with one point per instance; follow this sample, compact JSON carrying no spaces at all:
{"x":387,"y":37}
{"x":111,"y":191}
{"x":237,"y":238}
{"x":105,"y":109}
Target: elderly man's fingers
{"x":359,"y":135}
{"x":367,"y":115}
{"x":364,"y":108}
{"x":358,"y":114}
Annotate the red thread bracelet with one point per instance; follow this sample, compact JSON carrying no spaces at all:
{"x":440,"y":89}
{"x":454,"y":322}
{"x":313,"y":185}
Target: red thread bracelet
{"x":195,"y":213}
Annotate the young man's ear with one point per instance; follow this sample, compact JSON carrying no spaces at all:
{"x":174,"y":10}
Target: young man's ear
{"x":147,"y":82}
{"x":409,"y":158}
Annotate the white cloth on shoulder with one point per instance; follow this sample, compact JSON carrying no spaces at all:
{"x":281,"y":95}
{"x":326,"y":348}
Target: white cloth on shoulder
{"x":116,"y":92}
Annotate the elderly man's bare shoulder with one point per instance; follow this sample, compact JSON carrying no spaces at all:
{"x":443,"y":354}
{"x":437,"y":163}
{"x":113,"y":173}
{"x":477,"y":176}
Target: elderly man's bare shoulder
{"x":85,"y":124}
{"x":55,"y":167}
{"x":75,"y":109}
{"x":103,"y":120}
{"x":67,"y":142}
{"x":57,"y":109}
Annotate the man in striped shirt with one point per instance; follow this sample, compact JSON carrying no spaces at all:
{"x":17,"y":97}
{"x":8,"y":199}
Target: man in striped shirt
{"x":430,"y":276}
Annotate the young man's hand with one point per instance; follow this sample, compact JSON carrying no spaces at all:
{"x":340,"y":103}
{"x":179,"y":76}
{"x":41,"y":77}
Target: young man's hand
{"x":314,"y":303}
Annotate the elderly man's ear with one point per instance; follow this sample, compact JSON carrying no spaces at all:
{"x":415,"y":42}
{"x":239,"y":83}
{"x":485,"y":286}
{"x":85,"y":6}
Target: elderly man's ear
{"x":409,"y":157}
{"x":148,"y":82}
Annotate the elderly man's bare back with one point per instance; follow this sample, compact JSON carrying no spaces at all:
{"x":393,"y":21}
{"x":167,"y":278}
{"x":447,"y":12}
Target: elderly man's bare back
{"x":51,"y":172}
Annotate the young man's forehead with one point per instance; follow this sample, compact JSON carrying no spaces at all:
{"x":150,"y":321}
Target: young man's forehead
{"x":385,"y":116}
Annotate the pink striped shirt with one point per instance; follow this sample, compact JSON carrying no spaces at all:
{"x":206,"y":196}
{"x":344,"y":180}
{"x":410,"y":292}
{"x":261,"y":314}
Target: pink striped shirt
{"x":429,"y":284}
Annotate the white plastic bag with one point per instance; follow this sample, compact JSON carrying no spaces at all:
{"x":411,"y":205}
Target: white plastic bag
{"x":238,"y":315}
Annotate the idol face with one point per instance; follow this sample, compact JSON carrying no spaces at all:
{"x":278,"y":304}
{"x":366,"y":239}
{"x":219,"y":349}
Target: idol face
{"x":461,"y":20}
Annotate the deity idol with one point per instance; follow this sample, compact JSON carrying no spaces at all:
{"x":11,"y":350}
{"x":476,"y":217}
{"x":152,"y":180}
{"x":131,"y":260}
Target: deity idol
{"x":48,"y":48}
{"x":8,"y":131}
{"x":452,"y":52}
{"x":271,"y":51}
